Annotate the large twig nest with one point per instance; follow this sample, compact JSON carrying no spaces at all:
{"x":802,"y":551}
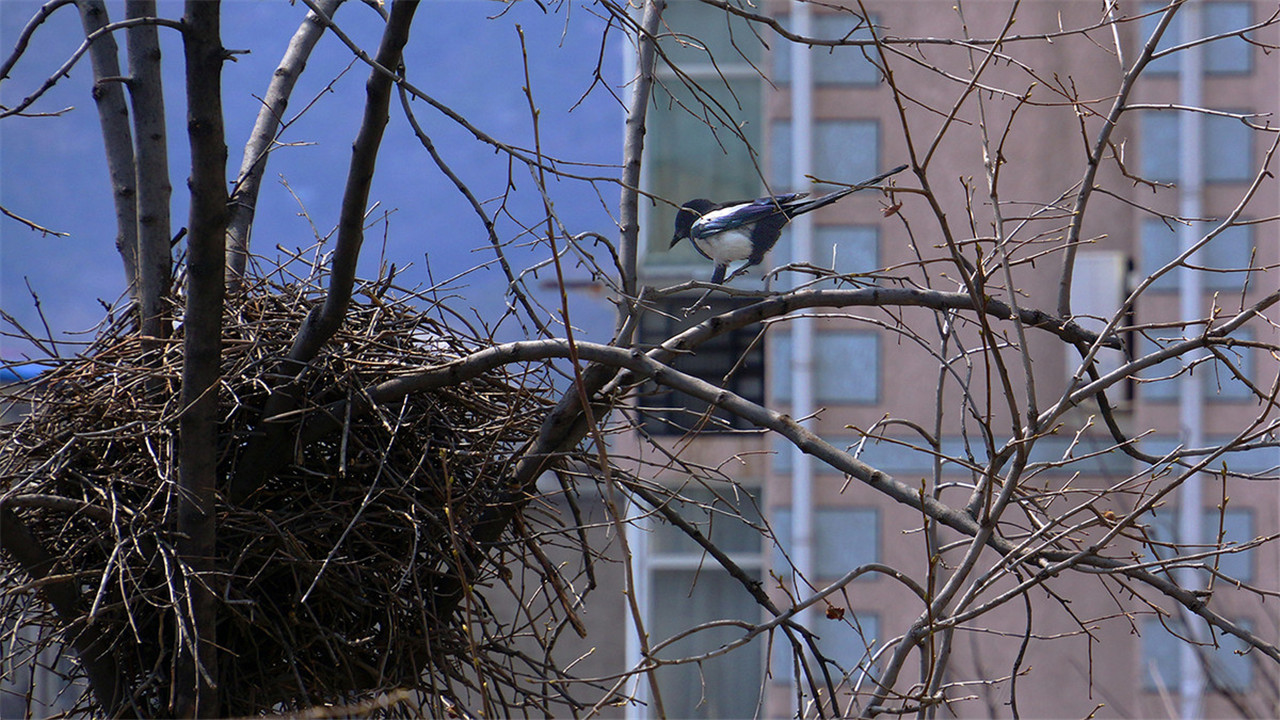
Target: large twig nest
{"x":326,"y":574}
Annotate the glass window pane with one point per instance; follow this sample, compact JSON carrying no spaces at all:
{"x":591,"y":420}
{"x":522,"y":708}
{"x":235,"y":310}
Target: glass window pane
{"x":846,"y":249}
{"x":1237,"y":529}
{"x":1228,"y":150}
{"x":846,"y":150}
{"x":1160,"y":137}
{"x":1159,"y":248}
{"x":728,"y":686}
{"x":1232,"y":249}
{"x":1217,"y":382}
{"x":846,"y":367}
{"x":1166,"y":388}
{"x":1221,"y":383}
{"x":843,"y":539}
{"x":697,"y":29}
{"x":669,"y":412}
{"x":844,"y":65}
{"x":719,"y":518}
{"x":1229,"y":55}
{"x":1226,"y":668}
{"x":692,"y":153}
{"x":1159,"y":657}
{"x":780,"y":155}
{"x":835,"y":65}
{"x":1227,"y":143}
{"x":849,"y":642}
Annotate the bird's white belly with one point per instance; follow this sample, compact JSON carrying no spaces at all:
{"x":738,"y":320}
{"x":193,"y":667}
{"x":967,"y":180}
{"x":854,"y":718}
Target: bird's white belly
{"x":726,"y":247}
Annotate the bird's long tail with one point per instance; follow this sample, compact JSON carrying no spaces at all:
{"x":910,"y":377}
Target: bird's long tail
{"x":825,"y":200}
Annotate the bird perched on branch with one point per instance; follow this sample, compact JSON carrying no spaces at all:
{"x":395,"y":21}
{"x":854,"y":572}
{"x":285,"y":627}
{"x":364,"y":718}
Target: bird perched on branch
{"x":745,"y":230}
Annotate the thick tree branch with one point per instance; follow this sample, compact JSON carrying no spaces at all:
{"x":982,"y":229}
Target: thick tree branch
{"x":146,"y":91}
{"x":59,"y":589}
{"x":324,"y":320}
{"x":633,"y":155}
{"x":564,"y":418}
{"x":1094,"y":161}
{"x":117,"y":139}
{"x":196,"y":675}
{"x":244,"y":196}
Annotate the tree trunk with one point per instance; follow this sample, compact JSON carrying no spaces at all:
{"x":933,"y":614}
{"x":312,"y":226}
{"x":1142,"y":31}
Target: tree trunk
{"x":195,"y":678}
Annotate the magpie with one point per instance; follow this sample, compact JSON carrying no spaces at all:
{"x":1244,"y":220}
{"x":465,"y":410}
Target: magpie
{"x":747,"y":229}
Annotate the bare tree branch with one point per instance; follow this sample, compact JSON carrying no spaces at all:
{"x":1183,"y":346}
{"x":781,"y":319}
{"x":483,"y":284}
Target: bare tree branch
{"x":59,"y":588}
{"x":322,"y":323}
{"x":146,"y":91}
{"x":244,"y":197}
{"x":633,"y":153}
{"x":196,"y":674}
{"x":324,"y":319}
{"x":29,"y":30}
{"x":113,"y":115}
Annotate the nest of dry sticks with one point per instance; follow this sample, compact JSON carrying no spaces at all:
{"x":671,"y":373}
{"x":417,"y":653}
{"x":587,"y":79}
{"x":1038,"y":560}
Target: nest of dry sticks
{"x":326,"y":576}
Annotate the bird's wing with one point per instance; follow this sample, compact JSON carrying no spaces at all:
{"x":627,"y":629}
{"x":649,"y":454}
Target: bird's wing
{"x":736,"y":215}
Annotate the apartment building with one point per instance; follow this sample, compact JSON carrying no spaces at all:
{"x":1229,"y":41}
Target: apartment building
{"x":863,"y":366}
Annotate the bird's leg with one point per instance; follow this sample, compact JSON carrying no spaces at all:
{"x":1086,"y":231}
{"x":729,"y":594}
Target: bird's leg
{"x":738,"y":272}
{"x":690,"y":310}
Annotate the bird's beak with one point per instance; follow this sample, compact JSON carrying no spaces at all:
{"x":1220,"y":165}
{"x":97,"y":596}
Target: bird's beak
{"x":675,"y":240}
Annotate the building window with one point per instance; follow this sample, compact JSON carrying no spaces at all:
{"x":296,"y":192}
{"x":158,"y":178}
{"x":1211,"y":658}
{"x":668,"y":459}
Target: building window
{"x":1232,"y":55}
{"x":1232,"y":249}
{"x":1160,"y":381}
{"x":1161,"y":137}
{"x":1228,"y":56}
{"x":1098,"y":290}
{"x":1226,"y":667}
{"x":686,"y":589}
{"x":1236,"y":528}
{"x":843,"y":539}
{"x":1228,"y":150}
{"x":845,"y":151}
{"x":834,"y":66}
{"x":733,"y":361}
{"x":701,"y":142}
{"x":846,"y":367}
{"x":850,"y":642}
{"x":1227,"y":147}
{"x":843,"y":249}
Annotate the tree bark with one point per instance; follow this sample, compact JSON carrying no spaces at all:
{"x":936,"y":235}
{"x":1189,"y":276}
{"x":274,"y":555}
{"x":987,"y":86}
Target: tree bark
{"x":324,"y":321}
{"x":146,"y":90}
{"x":196,"y":670}
{"x":117,"y":139}
{"x":244,"y":196}
{"x":92,"y":648}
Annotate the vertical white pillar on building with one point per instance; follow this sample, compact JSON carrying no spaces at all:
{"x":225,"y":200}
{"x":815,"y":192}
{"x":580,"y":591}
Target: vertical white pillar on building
{"x":637,"y":538}
{"x":638,"y":542}
{"x":1191,"y":682}
{"x":802,"y":395}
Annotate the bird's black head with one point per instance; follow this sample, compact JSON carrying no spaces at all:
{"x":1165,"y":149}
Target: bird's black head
{"x":688,"y":215}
